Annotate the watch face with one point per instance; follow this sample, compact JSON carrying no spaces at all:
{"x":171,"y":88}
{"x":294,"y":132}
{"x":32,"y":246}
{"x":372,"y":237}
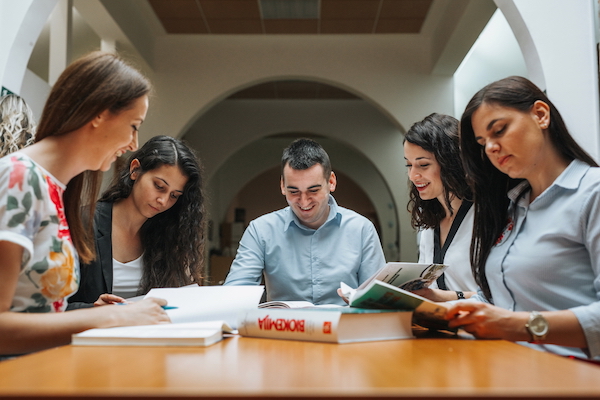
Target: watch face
{"x":538,"y":325}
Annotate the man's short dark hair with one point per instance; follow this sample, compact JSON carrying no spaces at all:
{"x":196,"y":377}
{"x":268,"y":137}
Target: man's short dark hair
{"x":303,"y":153}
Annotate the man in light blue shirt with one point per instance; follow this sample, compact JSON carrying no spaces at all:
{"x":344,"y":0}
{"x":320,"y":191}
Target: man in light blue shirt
{"x":306,"y":250}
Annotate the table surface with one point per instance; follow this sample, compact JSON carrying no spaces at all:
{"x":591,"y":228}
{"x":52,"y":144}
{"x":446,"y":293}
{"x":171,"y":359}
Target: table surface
{"x":237,"y":367}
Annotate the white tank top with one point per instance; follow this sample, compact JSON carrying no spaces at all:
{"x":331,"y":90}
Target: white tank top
{"x":126,"y":277}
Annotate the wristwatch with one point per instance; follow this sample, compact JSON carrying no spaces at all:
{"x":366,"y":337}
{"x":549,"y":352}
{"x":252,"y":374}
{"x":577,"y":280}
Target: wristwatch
{"x":537,"y":326}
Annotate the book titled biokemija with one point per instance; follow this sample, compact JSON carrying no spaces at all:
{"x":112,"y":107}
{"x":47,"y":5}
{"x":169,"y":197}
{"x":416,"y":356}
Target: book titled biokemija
{"x":332,"y":325}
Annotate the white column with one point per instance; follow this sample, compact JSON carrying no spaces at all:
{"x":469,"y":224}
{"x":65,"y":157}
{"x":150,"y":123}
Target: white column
{"x":558,"y":41}
{"x":60,"y":39}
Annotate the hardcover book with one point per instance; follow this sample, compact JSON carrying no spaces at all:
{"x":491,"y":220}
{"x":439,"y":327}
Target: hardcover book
{"x":184,"y":334}
{"x":331,"y":325}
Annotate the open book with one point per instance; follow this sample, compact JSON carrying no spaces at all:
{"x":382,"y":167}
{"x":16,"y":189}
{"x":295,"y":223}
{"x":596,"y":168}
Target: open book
{"x":381,"y":295}
{"x":408,"y":276}
{"x":295,"y":304}
{"x":185,"y":334}
{"x":208,"y":303}
{"x":286,"y":304}
{"x":199,"y":316}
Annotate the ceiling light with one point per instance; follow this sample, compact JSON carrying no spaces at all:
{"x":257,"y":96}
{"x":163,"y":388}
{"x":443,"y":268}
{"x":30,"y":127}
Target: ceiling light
{"x":289,"y":9}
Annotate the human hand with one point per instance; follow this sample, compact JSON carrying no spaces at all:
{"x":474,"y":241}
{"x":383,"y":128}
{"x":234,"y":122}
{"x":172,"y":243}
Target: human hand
{"x":485,"y":321}
{"x":341,"y":294}
{"x":144,"y":312}
{"x":437,"y":295}
{"x":108,"y":298}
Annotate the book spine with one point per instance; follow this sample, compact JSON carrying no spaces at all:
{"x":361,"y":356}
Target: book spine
{"x":290,"y":324}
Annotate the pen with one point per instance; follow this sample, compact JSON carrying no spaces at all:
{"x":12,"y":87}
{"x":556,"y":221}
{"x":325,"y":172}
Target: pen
{"x":163,"y":307}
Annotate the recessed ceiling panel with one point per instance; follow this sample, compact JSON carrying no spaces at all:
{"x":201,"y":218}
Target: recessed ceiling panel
{"x":274,"y":17}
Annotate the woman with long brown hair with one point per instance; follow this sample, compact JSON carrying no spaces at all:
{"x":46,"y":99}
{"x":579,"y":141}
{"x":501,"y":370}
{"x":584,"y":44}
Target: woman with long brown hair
{"x":91,"y":117}
{"x":536,"y":238}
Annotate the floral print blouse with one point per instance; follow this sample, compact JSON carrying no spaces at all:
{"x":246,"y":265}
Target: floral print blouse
{"x":32,"y":216}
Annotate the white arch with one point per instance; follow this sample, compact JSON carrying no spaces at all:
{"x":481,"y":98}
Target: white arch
{"x":558,"y":41}
{"x":239,"y":169}
{"x":21,"y":26}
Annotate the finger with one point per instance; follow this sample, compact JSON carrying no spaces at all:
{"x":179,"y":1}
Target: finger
{"x":111,"y":298}
{"x":160,"y":302}
{"x":464,"y":307}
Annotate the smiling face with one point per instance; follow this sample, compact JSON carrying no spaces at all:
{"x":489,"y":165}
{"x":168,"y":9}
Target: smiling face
{"x":157,"y":190}
{"x":514,"y":141}
{"x":118,"y":133}
{"x":424,"y":172}
{"x":307,"y":193}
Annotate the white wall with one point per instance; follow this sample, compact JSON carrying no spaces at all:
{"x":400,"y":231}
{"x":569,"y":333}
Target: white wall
{"x":558,"y":39}
{"x":495,"y":55}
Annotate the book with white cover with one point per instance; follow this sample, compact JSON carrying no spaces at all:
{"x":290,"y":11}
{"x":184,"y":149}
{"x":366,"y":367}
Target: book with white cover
{"x":208,"y":303}
{"x":184,"y":334}
{"x":332,"y":325}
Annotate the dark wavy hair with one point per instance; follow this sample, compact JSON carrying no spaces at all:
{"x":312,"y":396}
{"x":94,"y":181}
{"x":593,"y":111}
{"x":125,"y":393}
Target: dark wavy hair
{"x":489,"y":185}
{"x":90,"y":85}
{"x":173,"y":240}
{"x":437,"y":134}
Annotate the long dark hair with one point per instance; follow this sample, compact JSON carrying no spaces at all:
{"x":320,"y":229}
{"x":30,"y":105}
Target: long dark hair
{"x":90,"y":85}
{"x":490,"y":186}
{"x":437,"y":134}
{"x":173,"y":240}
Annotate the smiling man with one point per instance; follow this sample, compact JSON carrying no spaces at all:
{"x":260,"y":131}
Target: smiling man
{"x":306,"y":250}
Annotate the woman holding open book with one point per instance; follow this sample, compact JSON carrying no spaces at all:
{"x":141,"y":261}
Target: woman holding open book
{"x":92,"y":116}
{"x":536,"y":238}
{"x":149,"y":226}
{"x":439,"y":204}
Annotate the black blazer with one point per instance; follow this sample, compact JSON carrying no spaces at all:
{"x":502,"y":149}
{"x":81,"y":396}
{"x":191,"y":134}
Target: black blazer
{"x":97,"y":277}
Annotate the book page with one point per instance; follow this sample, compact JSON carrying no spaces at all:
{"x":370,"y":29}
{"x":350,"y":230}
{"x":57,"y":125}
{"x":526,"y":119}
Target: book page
{"x":382,"y":295}
{"x":286,"y":304}
{"x":385,"y":296}
{"x":408,"y":276}
{"x":206,"y":303}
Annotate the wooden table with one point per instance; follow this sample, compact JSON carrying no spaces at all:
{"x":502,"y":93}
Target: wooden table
{"x":237,"y":367}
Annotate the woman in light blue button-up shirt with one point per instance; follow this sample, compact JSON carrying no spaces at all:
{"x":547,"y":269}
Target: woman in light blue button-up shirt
{"x":536,"y":238}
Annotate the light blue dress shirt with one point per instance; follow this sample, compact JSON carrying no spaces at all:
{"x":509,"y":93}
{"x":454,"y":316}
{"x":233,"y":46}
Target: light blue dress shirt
{"x":550,"y":259}
{"x":300,"y":263}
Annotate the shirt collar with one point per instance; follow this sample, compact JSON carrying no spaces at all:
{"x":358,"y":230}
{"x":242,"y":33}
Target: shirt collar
{"x":334,"y":213}
{"x":572,"y":175}
{"x":570,"y":178}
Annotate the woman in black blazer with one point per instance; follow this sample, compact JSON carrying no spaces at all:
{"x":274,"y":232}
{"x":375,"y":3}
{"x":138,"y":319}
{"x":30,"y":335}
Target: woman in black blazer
{"x":149,"y":227}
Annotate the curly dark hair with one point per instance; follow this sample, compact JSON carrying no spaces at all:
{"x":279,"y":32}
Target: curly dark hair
{"x":173,"y":240}
{"x":489,"y":185}
{"x":437,"y":134}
